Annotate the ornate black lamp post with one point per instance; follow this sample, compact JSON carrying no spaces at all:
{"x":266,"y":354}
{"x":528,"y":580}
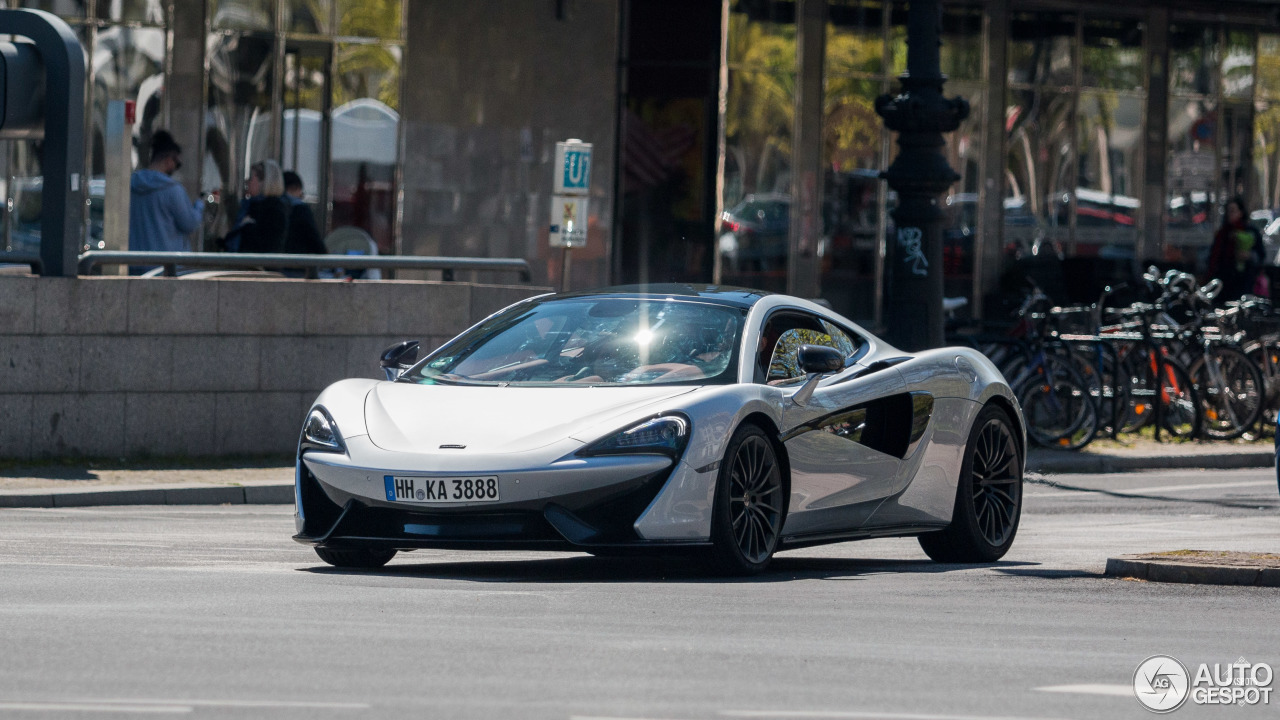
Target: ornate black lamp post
{"x":920,"y":173}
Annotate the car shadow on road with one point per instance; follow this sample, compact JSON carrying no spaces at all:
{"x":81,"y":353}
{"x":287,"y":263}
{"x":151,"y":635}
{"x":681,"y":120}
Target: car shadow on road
{"x":674,"y":569}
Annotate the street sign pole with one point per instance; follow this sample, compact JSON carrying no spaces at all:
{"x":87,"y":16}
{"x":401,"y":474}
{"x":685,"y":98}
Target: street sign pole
{"x":569,"y":203}
{"x":564,"y":268}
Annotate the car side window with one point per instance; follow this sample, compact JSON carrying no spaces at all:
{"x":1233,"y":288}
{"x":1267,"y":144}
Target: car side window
{"x":777,"y":362}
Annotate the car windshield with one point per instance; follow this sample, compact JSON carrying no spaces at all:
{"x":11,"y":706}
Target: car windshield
{"x":593,"y":341}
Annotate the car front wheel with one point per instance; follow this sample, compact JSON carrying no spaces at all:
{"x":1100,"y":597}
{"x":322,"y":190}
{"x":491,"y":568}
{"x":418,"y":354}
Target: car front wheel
{"x":750,"y":504}
{"x":988,"y":497}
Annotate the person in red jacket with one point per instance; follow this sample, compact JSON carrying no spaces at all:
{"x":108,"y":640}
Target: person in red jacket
{"x":1237,"y":254}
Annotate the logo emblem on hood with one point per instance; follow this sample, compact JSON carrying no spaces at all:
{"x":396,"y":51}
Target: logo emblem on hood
{"x":453,"y":447}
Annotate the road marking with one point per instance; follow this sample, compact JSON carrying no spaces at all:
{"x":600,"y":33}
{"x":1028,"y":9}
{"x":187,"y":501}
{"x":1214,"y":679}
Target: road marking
{"x":95,"y":707}
{"x":605,"y":717}
{"x":1095,"y":689}
{"x":1155,"y":489}
{"x":252,"y":703}
{"x":860,"y":715}
{"x":161,"y":706}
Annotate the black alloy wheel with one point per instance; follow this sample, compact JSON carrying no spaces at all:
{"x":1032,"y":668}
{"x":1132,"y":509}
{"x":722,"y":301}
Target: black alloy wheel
{"x":988,"y":497}
{"x":750,"y":504}
{"x":356,"y":558}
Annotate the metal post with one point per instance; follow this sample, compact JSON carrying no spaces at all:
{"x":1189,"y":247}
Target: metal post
{"x":919,"y":114}
{"x":62,"y":195}
{"x":564,"y":269}
{"x":118,"y":167}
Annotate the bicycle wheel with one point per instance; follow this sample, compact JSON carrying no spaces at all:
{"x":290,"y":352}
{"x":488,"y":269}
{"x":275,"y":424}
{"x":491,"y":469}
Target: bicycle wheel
{"x":1265,"y":355}
{"x":1057,"y":406}
{"x":1231,"y":390}
{"x":1174,"y":391}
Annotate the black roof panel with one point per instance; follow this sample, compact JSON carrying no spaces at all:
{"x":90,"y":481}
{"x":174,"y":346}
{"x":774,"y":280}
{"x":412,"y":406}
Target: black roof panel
{"x":724,"y":294}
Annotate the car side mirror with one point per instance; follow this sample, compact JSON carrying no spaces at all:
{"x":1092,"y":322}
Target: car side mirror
{"x":398,"y":358}
{"x":819,"y":359}
{"x":816,"y":361}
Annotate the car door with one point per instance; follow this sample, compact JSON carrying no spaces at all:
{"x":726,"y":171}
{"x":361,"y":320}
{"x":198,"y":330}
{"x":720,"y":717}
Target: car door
{"x":846,"y":444}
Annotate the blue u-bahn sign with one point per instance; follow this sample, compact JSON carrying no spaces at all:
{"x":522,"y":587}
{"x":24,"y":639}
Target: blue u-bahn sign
{"x":573,"y":168}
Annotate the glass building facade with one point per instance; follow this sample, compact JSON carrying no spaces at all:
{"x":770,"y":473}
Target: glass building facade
{"x":735,"y":140}
{"x":312,"y":84}
{"x":1100,"y":137}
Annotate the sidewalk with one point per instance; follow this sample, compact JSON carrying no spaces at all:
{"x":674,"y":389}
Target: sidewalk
{"x":57,"y":485}
{"x":1108,"y":456}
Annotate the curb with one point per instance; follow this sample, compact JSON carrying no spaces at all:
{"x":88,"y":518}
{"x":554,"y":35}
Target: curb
{"x":1059,"y":462}
{"x":214,"y":495}
{"x":1175,"y":572}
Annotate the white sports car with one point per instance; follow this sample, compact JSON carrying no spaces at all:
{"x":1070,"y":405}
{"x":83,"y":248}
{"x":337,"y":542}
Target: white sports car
{"x":727,"y":422}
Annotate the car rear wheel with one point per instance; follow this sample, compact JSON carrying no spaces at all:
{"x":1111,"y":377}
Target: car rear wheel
{"x":988,"y":497}
{"x":750,"y":504}
{"x":358,"y":558}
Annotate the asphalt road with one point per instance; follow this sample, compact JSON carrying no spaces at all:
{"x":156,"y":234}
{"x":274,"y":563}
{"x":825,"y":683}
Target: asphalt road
{"x":214,"y":612}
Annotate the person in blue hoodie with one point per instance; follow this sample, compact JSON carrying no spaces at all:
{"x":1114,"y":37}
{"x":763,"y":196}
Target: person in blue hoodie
{"x":161,"y":216}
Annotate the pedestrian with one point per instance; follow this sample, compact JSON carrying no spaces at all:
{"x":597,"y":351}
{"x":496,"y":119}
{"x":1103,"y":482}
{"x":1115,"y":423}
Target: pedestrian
{"x":304,"y":236}
{"x":1237,"y":254}
{"x":264,"y":221}
{"x":161,"y":215}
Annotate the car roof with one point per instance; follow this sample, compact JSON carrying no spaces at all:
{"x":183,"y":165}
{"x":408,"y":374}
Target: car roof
{"x":720,"y":294}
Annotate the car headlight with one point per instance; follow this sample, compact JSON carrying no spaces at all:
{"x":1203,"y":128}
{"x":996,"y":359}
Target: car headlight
{"x":665,"y":435}
{"x":320,"y":433}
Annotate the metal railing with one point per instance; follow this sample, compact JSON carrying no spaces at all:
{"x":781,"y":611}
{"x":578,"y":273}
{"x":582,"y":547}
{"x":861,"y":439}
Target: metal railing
{"x":16,"y":258}
{"x":92,"y":261}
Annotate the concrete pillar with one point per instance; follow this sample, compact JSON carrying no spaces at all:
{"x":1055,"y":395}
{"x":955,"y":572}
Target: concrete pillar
{"x":989,"y":243}
{"x":185,"y":94}
{"x":1150,"y":240}
{"x":804,"y":266}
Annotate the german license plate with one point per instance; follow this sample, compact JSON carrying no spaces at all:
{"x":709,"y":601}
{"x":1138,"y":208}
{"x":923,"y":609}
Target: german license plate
{"x":441,"y":490}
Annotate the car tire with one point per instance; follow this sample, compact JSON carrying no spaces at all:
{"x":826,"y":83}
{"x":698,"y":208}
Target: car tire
{"x":750,"y":504}
{"x":358,"y":558}
{"x":988,"y":501}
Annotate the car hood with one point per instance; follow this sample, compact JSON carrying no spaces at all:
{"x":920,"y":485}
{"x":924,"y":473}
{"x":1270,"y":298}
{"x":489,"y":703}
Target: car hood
{"x":403,"y":417}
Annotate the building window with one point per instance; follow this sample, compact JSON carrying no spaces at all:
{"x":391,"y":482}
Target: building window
{"x":1211,"y":149}
{"x":855,"y":72}
{"x":1073,"y":143}
{"x":314,"y":85}
{"x":759,"y":124}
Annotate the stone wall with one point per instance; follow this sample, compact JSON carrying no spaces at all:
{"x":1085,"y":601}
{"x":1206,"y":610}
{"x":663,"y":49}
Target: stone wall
{"x":128,"y":367}
{"x":493,"y":85}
